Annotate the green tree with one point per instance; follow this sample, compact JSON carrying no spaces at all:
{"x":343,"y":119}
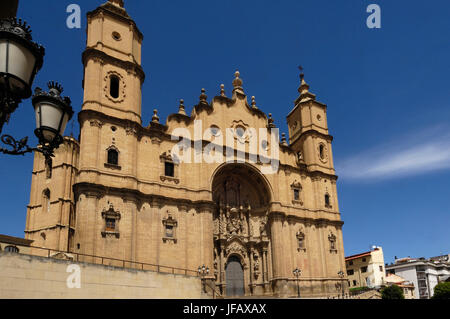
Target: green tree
{"x":442,"y":291}
{"x":392,"y":292}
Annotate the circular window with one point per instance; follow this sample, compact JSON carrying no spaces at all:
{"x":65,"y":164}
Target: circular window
{"x":116,"y":36}
{"x":265,"y":145}
{"x":240,"y":131}
{"x":113,"y":128}
{"x":215,"y":131}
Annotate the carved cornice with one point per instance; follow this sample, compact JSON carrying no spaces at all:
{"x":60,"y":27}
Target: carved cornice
{"x":98,"y":190}
{"x":91,"y":53}
{"x":307,"y":104}
{"x":29,"y":231}
{"x":62,"y":165}
{"x":318,"y":222}
{"x":132,"y":126}
{"x":320,"y":174}
{"x":313,"y":132}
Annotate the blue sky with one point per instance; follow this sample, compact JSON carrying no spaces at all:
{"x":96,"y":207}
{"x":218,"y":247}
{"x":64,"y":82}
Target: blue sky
{"x":387,"y":92}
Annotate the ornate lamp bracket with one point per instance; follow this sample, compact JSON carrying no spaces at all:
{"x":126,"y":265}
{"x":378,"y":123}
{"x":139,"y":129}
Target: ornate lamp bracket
{"x":21,"y":147}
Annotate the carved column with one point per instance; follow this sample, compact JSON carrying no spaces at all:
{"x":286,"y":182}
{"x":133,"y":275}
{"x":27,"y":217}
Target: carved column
{"x":266,"y":269}
{"x":277,"y":255}
{"x":207,"y":240}
{"x":276,"y":230}
{"x":222,"y":269}
{"x":250,"y":262}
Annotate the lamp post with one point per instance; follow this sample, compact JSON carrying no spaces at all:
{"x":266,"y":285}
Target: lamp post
{"x":297,"y":273}
{"x":341,"y":275}
{"x":203,"y":271}
{"x":20,"y":60}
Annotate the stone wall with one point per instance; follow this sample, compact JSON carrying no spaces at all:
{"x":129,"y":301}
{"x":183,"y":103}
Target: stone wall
{"x":24,"y":276}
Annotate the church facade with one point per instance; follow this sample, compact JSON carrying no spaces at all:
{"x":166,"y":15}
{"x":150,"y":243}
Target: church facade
{"x":129,"y":191}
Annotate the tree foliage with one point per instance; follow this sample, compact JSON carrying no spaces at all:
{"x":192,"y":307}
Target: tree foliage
{"x":392,"y":292}
{"x":442,"y":291}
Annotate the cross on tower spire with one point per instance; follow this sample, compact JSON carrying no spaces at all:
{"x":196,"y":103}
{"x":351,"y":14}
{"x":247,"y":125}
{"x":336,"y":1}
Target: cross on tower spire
{"x":303,"y":89}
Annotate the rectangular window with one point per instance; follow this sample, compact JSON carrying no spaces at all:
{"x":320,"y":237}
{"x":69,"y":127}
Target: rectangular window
{"x":296,"y":194}
{"x":354,"y":282}
{"x":350,"y":263}
{"x":364,"y":259}
{"x":110,"y":224}
{"x":381,"y":268}
{"x":113,"y":157}
{"x":350,"y":272}
{"x":364,"y":269}
{"x":169,"y":169}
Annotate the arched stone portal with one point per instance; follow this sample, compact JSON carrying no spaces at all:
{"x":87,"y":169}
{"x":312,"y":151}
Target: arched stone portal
{"x":242,"y":197}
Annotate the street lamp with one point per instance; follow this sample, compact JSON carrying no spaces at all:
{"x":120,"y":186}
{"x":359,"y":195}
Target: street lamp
{"x":203,"y":271}
{"x":20,"y":60}
{"x":341,"y":275}
{"x":52,"y":114}
{"x":297,"y":273}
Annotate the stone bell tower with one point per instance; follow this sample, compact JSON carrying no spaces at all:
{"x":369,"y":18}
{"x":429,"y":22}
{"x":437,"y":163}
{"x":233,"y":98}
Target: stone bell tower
{"x":308,"y":131}
{"x":113,"y":75}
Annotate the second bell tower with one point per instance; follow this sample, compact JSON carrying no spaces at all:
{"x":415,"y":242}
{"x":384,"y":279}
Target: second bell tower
{"x":113,"y":75}
{"x":308,"y":131}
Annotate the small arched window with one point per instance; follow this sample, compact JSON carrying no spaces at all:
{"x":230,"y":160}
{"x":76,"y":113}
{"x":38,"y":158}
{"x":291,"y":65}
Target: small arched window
{"x":12,"y":249}
{"x":327,"y":200}
{"x":113,"y":157}
{"x":114,"y":86}
{"x":46,"y":200}
{"x":322,"y":151}
{"x":48,"y":168}
{"x":296,"y":194}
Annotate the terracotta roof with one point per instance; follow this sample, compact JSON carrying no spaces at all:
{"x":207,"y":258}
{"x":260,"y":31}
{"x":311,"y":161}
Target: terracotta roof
{"x":399,"y":281}
{"x":360,"y":255}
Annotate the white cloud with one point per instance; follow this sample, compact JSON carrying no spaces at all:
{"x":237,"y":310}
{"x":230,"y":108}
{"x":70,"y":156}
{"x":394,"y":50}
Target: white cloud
{"x":410,"y":155}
